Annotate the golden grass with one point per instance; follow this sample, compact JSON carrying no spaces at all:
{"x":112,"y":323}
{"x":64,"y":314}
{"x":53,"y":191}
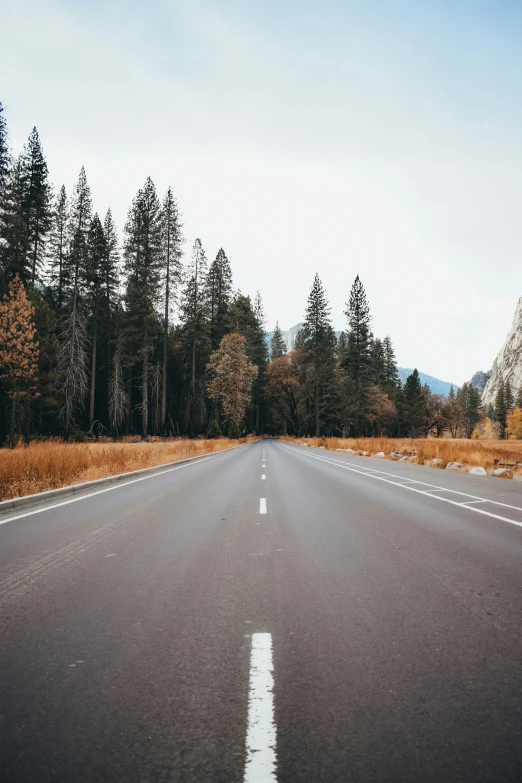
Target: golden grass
{"x":51,"y":464}
{"x":473,"y":453}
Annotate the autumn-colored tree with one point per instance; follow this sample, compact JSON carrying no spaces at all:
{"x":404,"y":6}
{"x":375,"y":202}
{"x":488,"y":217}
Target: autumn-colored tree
{"x":514,"y":423}
{"x":18,"y":348}
{"x":232,"y":376}
{"x":286,"y":392}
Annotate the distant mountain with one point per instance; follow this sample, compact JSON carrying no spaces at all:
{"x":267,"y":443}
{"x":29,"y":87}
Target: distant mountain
{"x":436,"y":385}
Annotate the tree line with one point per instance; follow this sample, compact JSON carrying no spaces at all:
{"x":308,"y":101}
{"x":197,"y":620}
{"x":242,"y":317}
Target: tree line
{"x":87,"y":339}
{"x":89,"y":344}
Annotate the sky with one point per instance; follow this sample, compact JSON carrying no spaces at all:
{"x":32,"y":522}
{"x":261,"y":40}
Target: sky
{"x":379,"y":138}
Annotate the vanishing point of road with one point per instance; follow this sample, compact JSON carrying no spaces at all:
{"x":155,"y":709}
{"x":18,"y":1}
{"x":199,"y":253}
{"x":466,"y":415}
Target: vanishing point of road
{"x":271,"y":613}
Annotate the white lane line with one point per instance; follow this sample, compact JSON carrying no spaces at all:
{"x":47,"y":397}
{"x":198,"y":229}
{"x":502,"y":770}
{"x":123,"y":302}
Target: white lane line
{"x":109,"y":489}
{"x":425,"y":492}
{"x":260,"y":764}
{"x":432,"y":487}
{"x":469,"y":502}
{"x":263,"y":477}
{"x":262,"y":505}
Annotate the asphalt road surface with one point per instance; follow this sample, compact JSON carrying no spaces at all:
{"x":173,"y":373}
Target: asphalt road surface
{"x":273,"y":613}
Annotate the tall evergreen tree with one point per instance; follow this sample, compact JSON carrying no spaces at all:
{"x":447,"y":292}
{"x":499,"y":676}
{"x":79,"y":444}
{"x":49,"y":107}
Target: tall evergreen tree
{"x":414,"y":406}
{"x":35,"y":204}
{"x":172,"y":240}
{"x":518,"y":400}
{"x":245,"y":319}
{"x":391,"y":380}
{"x":5,"y":156}
{"x":143,"y":266}
{"x":378,"y":361}
{"x":277,"y":344}
{"x":57,"y":246}
{"x":5,"y":169}
{"x":13,"y":237}
{"x":97,"y":254}
{"x":72,"y":358}
{"x":195,"y":338}
{"x":509,"y":397}
{"x":468,"y":401}
{"x":358,"y":359}
{"x":500,"y":405}
{"x":319,"y":344}
{"x":219,"y":292}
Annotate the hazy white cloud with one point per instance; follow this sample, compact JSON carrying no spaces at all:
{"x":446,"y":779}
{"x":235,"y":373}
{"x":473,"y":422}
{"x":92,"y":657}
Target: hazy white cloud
{"x":296,"y":150}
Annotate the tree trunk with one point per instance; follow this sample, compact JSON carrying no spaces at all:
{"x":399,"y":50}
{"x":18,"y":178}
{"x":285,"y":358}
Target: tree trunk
{"x":13,"y":425}
{"x":163,"y":416}
{"x":93,"y":367}
{"x":27,"y":421}
{"x":145,"y":391}
{"x":317,"y":422}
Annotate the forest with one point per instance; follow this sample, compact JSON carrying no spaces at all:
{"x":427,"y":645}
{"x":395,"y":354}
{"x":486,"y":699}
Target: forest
{"x":109,"y":334}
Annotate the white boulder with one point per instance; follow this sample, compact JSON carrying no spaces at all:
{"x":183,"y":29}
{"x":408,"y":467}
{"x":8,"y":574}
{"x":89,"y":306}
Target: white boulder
{"x":503,"y":473}
{"x":478,"y":471}
{"x":455,"y":466}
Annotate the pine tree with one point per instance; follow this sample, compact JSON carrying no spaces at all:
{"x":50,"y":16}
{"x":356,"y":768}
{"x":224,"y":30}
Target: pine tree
{"x":391,"y":375}
{"x":118,"y":397}
{"x":219,"y":293}
{"x":451,"y":412}
{"x":377,"y":362}
{"x":18,"y":348}
{"x":172,"y":240}
{"x":13,"y":238}
{"x":277,"y":344}
{"x":97,"y":254}
{"x":468,"y":401}
{"x":143,"y":266}
{"x":500,"y":405}
{"x":358,"y":360}
{"x":57,"y":246}
{"x":518,"y":401}
{"x":72,"y":358}
{"x":5,"y":169}
{"x":109,"y":304}
{"x":247,"y":319}
{"x":5,"y":156}
{"x":196,"y":338}
{"x":319,"y":345}
{"x":414,"y":406}
{"x":35,"y":204}
{"x":80,"y":217}
{"x":509,"y":397}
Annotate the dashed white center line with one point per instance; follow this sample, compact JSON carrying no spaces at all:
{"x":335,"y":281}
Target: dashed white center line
{"x":260,"y":765}
{"x":262,"y":505}
{"x":263,"y":476}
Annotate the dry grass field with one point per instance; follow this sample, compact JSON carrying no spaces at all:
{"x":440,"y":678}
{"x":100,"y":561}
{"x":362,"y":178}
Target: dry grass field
{"x":51,"y":464}
{"x":473,"y":453}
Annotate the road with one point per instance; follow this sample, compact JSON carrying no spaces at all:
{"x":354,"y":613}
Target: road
{"x":333,"y":621}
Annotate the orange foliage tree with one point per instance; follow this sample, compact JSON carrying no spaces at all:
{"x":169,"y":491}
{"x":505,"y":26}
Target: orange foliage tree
{"x":18,"y":348}
{"x":231,"y":378}
{"x":514,"y":423}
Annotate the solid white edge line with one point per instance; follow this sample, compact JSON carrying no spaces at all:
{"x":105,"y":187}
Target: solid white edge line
{"x":262,"y":505}
{"x":261,"y":761}
{"x":432,"y":487}
{"x":109,"y":489}
{"x":425,"y":492}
